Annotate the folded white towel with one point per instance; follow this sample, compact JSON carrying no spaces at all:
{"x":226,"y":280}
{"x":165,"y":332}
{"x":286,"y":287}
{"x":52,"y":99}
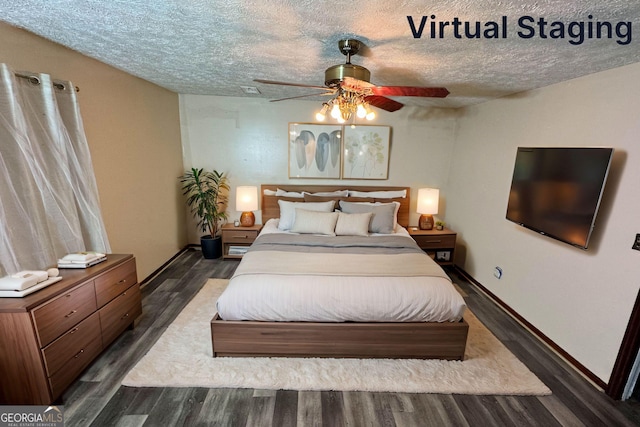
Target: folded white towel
{"x":9,"y":283}
{"x":40,"y":276}
{"x":82,"y":256}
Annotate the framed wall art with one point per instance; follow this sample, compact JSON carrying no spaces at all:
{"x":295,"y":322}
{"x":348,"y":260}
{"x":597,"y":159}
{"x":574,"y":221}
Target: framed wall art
{"x":366,"y":152}
{"x":315,"y":150}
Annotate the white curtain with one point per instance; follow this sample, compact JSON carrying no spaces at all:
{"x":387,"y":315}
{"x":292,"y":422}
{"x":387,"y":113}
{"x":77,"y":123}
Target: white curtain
{"x":49,"y":202}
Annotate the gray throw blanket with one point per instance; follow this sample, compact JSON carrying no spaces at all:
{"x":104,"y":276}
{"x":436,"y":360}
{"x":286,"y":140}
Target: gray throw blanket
{"x":335,"y":244}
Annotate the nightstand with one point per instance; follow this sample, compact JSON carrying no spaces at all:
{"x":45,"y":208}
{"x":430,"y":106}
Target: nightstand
{"x":440,"y":245}
{"x":236,"y":240}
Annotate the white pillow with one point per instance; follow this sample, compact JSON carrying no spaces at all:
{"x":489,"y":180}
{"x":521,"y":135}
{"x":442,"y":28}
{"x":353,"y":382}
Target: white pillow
{"x":379,"y":194}
{"x":313,"y":222}
{"x":282,"y":193}
{"x":337,"y":193}
{"x":288,"y":211}
{"x":356,"y":224}
{"x":268,"y":192}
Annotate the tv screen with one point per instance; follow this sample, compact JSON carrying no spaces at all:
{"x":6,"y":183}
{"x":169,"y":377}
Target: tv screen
{"x":556,"y":191}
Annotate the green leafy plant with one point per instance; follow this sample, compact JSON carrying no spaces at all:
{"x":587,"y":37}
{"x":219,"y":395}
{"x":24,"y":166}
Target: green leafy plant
{"x":440,"y":223}
{"x":207,"y":194}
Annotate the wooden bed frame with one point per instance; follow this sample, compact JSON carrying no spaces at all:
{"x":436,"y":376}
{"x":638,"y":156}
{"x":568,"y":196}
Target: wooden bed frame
{"x":417,"y":340}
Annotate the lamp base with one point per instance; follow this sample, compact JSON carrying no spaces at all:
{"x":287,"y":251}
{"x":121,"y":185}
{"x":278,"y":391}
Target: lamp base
{"x":425,"y":222}
{"x":247,"y":219}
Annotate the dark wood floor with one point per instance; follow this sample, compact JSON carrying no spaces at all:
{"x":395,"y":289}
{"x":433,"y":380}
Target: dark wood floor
{"x":98,"y":399}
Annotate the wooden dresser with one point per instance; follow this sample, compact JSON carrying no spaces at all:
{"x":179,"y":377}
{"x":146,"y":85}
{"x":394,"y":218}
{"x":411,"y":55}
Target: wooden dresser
{"x":50,"y":336}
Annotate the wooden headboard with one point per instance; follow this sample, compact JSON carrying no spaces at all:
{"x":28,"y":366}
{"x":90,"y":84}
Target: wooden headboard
{"x":271,"y":209}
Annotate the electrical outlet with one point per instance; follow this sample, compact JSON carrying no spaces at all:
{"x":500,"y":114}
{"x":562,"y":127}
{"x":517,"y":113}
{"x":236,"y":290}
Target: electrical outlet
{"x":497,"y":272}
{"x":636,"y":244}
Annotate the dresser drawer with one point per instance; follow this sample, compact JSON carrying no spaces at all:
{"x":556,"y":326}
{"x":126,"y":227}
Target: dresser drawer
{"x":436,"y":242}
{"x":120,"y":313}
{"x":75,"y":341}
{"x":114,"y":282}
{"x":70,"y":370}
{"x":240,"y":236}
{"x":57,"y":316}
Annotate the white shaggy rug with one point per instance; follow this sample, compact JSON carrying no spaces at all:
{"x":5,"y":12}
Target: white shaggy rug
{"x":182,"y":357}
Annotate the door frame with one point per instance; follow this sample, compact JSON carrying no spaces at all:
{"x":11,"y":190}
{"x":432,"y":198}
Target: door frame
{"x":626,"y":355}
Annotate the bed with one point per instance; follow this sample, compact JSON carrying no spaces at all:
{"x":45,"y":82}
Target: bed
{"x":303,"y":292}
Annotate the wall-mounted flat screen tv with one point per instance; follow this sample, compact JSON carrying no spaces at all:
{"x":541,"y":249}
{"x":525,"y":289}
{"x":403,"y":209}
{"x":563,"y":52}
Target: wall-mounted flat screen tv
{"x":556,"y":191}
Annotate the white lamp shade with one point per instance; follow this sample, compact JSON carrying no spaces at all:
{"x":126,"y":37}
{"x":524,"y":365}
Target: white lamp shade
{"x":246,"y":198}
{"x":428,"y":201}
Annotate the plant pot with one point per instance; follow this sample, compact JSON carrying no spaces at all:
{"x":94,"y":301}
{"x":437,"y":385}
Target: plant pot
{"x":211,"y":247}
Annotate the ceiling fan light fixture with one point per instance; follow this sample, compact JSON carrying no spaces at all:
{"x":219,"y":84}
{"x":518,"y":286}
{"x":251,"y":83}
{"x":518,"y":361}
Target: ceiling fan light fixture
{"x":322,"y":114}
{"x":346,"y":105}
{"x":370,"y":115}
{"x":335,"y":110}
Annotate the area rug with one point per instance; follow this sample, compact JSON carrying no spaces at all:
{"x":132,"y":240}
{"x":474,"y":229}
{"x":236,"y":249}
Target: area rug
{"x":182,"y":357}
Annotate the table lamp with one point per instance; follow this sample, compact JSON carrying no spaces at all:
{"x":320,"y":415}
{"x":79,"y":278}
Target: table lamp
{"x":246,"y":202}
{"x":427,"y":206}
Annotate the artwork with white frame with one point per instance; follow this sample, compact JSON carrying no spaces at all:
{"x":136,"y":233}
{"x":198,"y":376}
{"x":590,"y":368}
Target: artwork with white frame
{"x":314,"y":150}
{"x":366,"y":152}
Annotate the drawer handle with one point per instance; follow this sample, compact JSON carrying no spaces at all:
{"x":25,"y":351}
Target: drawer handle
{"x":73,"y":331}
{"x":78,"y":354}
{"x":71,"y":313}
{"x":434,"y":241}
{"x":125,"y":316}
{"x":243,"y":237}
{"x":121,"y":282}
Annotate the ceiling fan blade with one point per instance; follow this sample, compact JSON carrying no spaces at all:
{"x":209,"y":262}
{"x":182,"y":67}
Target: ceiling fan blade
{"x":431,"y":92}
{"x":273,"y":82}
{"x":361,"y":86}
{"x":383,"y":103}
{"x":303,"y":96}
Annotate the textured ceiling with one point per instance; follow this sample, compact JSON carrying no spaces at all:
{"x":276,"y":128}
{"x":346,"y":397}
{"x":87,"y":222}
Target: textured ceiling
{"x":212,"y":47}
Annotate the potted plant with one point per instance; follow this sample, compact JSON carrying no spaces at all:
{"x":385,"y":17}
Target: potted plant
{"x":207,"y":198}
{"x":440,"y":225}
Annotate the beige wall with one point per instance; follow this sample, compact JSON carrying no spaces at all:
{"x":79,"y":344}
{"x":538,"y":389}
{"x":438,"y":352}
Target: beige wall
{"x":133,"y":130}
{"x":582,"y":300}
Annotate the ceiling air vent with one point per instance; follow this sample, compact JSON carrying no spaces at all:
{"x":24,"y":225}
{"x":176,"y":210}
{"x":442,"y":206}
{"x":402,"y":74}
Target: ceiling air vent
{"x":250,"y":90}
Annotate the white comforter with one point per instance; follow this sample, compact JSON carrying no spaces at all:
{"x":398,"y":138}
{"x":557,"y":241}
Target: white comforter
{"x":338,"y":287}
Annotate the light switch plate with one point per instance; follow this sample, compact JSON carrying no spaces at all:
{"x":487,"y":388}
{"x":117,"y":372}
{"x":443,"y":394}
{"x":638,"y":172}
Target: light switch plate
{"x":636,"y":244}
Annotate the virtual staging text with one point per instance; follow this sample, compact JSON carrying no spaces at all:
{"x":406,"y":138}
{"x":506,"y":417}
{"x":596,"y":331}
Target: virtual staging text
{"x":526,"y":27}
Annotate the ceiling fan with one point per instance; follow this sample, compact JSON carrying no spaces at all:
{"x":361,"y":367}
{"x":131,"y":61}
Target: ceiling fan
{"x":352,"y":91}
